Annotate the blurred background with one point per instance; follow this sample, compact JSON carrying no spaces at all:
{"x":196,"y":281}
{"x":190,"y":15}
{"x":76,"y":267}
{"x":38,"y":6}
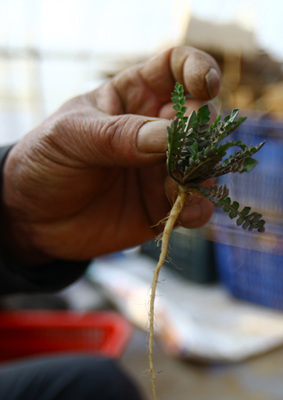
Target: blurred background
{"x":51,"y":50}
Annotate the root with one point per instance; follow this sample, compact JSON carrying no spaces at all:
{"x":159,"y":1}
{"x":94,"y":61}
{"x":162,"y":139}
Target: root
{"x":170,"y":223}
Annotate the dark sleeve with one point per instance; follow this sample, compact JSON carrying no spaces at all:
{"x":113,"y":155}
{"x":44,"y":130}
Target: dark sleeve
{"x":44,"y":278}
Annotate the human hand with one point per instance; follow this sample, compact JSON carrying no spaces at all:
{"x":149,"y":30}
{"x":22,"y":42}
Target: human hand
{"x":91,"y":179}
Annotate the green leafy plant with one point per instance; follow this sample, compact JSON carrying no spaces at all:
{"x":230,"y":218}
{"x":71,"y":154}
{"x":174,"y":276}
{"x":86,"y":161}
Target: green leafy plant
{"x":197,"y":152}
{"x":195,"y":155}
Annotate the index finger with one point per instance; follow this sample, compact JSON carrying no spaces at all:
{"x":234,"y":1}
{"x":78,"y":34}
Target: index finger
{"x":193,"y":68}
{"x":144,"y":89}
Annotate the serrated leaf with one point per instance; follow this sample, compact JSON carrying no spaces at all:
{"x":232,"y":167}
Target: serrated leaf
{"x":195,"y":154}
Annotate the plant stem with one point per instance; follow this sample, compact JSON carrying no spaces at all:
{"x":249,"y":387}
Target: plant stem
{"x":170,"y":223}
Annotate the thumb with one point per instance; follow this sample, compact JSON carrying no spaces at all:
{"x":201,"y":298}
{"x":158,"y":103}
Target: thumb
{"x":129,"y":140}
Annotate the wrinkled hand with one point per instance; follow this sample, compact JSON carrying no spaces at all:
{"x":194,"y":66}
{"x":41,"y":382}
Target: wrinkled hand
{"x":91,"y":179}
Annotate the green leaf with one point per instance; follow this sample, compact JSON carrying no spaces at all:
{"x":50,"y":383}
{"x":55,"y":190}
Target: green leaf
{"x":240,"y":221}
{"x":245,"y":211}
{"x":250,"y":163}
{"x":193,"y":149}
{"x":246,"y":225}
{"x":196,"y":154}
{"x":233,"y":214}
{"x":233,"y":115}
{"x":203,"y":114}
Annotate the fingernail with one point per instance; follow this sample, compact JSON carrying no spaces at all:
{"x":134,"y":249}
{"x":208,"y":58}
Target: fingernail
{"x":152,"y":137}
{"x":213,"y":81}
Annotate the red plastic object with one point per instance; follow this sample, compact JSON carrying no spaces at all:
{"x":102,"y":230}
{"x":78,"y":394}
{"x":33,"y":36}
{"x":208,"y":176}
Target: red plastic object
{"x":26,"y":333}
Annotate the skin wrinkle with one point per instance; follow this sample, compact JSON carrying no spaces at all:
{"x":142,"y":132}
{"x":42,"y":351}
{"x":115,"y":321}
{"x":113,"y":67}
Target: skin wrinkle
{"x":114,"y":133}
{"x":199,"y":84}
{"x":138,"y":130}
{"x":32,"y":162}
{"x":109,"y":131}
{"x":139,"y":72}
{"x":153,"y":83}
{"x":153,"y":97}
{"x":87,"y":127}
{"x":178,"y":74}
{"x":120,"y":79}
{"x":196,"y":78}
{"x":140,"y":96}
{"x":93,"y":156}
{"x":120,"y":124}
{"x":98,"y":100}
{"x":118,"y":94}
{"x":50,"y":155}
{"x":180,"y":79}
{"x":170,"y":70}
{"x":60,"y":130}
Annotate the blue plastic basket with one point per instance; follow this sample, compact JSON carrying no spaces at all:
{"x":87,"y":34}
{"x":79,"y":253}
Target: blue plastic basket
{"x":261,"y":188}
{"x":250,"y":264}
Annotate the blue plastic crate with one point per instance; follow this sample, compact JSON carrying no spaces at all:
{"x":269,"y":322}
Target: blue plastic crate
{"x":261,"y":188}
{"x":250,"y":264}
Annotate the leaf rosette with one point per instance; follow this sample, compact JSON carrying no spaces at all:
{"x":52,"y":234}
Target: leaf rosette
{"x":197,"y":151}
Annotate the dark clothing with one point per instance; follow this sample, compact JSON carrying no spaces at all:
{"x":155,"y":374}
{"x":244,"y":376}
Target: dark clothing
{"x":56,"y":378}
{"x":52,"y":277}
{"x":66,"y":378}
